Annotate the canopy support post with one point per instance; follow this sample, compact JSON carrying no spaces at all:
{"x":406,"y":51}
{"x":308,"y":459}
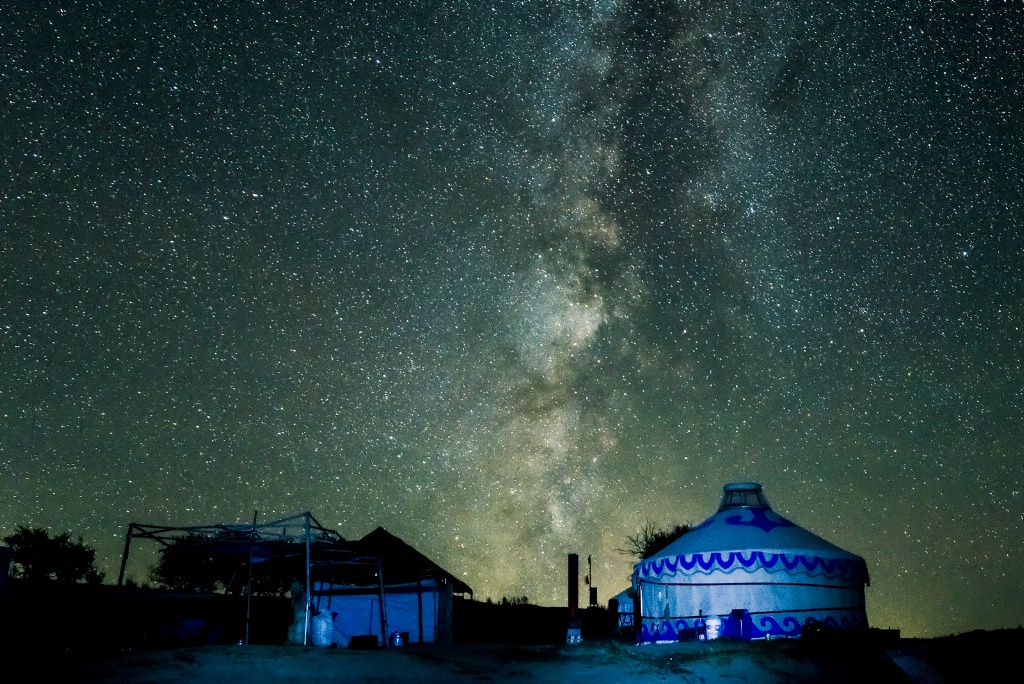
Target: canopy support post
{"x":383,"y":610}
{"x":124,"y":556}
{"x":305,"y":626}
{"x":248,"y":590}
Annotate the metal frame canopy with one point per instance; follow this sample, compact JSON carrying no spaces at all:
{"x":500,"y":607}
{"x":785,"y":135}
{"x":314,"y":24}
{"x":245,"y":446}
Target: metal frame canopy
{"x":330,"y":548}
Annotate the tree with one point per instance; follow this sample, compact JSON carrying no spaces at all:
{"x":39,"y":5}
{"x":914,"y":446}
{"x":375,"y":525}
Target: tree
{"x":38,"y":556}
{"x":195,"y":564}
{"x":515,"y":601}
{"x":649,"y":540}
{"x":189,"y":565}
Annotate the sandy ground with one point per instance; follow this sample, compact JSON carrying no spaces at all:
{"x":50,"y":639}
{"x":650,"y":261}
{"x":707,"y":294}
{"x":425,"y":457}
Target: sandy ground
{"x":753,"y":663}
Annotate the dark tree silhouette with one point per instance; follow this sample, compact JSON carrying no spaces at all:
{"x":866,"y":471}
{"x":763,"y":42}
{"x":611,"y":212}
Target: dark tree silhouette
{"x":515,"y":601}
{"x":649,"y":540}
{"x":188,"y":565}
{"x":38,"y":556}
{"x":199,"y":565}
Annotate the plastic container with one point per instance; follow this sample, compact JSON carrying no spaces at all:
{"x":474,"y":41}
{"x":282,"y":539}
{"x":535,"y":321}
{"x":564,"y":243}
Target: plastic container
{"x":712,"y":628}
{"x":323,"y":630}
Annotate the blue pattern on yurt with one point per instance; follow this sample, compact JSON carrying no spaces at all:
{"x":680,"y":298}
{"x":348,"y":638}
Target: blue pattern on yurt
{"x":852,"y":569}
{"x":778,"y":625}
{"x":764,"y":520}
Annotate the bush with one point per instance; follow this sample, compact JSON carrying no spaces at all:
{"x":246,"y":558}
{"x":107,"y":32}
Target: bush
{"x":38,"y":556}
{"x":649,"y":540}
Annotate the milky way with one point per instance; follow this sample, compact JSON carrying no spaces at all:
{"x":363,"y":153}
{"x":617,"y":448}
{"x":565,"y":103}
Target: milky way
{"x":513,"y":280}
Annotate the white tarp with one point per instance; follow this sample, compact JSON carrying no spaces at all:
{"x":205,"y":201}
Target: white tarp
{"x":410,"y":608}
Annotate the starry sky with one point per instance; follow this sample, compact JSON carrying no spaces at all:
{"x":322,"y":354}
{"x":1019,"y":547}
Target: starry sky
{"x":512,"y":279}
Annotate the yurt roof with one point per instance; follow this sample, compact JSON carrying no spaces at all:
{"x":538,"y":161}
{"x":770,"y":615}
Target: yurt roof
{"x":745,"y":532}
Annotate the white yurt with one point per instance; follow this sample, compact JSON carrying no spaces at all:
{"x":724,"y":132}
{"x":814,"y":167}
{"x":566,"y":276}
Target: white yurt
{"x":748,"y":573}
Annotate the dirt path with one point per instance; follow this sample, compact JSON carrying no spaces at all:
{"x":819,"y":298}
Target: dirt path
{"x":706,"y":663}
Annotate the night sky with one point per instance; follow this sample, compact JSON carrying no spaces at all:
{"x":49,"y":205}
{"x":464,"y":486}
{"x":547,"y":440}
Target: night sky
{"x":512,"y":280}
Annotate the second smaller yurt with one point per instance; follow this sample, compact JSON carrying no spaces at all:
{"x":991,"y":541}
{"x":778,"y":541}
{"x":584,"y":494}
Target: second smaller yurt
{"x":624,"y":605}
{"x":749,"y":573}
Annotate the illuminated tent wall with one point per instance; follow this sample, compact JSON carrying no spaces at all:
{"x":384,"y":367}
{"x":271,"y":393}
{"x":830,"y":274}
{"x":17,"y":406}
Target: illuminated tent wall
{"x":421,"y":611}
{"x":418,"y":596}
{"x":748,"y":558}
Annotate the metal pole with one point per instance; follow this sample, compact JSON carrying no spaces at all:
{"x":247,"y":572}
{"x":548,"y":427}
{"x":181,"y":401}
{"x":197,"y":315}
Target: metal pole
{"x":419,"y":604}
{"x":124,"y":556}
{"x":383,"y":610}
{"x":638,"y":612}
{"x":330,"y":590}
{"x":305,"y":626}
{"x":248,"y":591}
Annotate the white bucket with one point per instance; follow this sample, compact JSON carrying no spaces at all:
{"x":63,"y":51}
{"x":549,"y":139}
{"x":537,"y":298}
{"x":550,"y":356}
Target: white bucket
{"x":323,"y":629}
{"x":712,"y":628}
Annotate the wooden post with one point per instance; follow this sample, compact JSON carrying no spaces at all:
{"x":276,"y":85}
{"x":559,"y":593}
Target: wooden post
{"x":419,"y":602}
